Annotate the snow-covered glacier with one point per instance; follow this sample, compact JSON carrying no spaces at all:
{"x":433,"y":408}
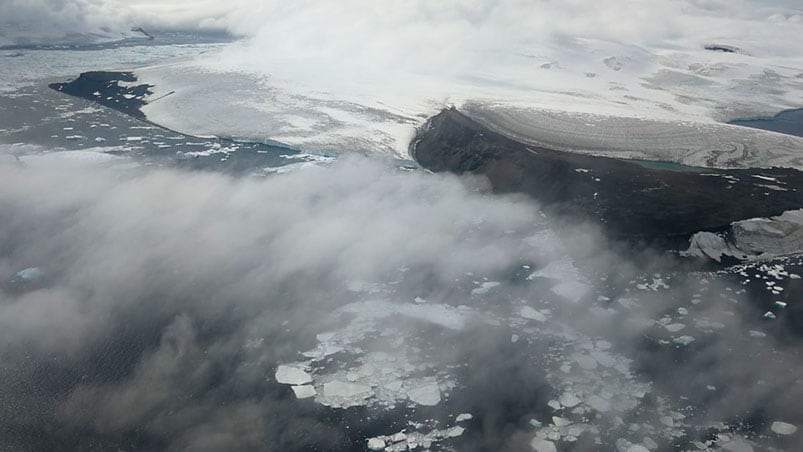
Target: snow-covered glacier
{"x":674,"y":75}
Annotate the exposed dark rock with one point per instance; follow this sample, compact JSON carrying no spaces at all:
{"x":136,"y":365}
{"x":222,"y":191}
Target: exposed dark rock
{"x":723,"y":48}
{"x":106,"y":89}
{"x":631,"y":201}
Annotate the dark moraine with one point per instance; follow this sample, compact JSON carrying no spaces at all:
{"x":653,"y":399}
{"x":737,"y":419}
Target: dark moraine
{"x":631,"y":201}
{"x":723,"y":48}
{"x":789,"y":122}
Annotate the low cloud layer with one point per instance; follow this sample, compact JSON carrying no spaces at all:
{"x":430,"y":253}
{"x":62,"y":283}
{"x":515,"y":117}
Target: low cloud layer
{"x":358,"y":28}
{"x":156,"y":283}
{"x":168,"y":298}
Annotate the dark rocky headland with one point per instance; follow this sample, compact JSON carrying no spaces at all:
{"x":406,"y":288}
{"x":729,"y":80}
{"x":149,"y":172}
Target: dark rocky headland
{"x":631,"y":201}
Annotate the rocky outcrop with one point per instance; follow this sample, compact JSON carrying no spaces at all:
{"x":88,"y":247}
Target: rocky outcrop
{"x":631,"y":200}
{"x":117,"y":90}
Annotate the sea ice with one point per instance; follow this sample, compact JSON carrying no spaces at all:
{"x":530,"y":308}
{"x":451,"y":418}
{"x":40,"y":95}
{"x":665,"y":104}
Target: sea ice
{"x":675,"y":327}
{"x":290,"y":375}
{"x":542,"y":445}
{"x":485,"y":288}
{"x":572,"y":290}
{"x":586,"y":362}
{"x":376,"y":444}
{"x":427,"y":395}
{"x":637,"y":448}
{"x":683,"y":340}
{"x":554,"y":404}
{"x":529,"y":313}
{"x":560,"y":421}
{"x":304,"y":391}
{"x":343,"y":390}
{"x":782,"y":428}
{"x":599,"y":404}
{"x":737,"y":445}
{"x":30,"y":274}
{"x":569,"y":400}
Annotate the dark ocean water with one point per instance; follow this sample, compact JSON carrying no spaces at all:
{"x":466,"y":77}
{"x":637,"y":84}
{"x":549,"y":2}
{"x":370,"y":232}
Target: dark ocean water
{"x":789,"y":122}
{"x":43,"y":117}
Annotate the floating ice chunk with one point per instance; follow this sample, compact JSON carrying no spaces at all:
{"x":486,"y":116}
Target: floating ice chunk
{"x":576,"y":430}
{"x":560,"y":421}
{"x":454,"y":432}
{"x":769,"y":315}
{"x":780,"y":304}
{"x":394,"y":385}
{"x":427,"y":395}
{"x":531,"y":314}
{"x":755,"y":333}
{"x":420,"y":300}
{"x":675,"y":327}
{"x":572,"y":290}
{"x":30,"y":274}
{"x":604,"y":359}
{"x":376,"y":444}
{"x":304,"y":391}
{"x":514,"y":338}
{"x":290,"y":375}
{"x":782,"y":428}
{"x":542,"y":445}
{"x":599,"y":404}
{"x":586,"y":362}
{"x":345,"y":390}
{"x":324,"y":349}
{"x":667,"y":421}
{"x":737,"y":445}
{"x":398,"y":437}
{"x":637,"y":448}
{"x":464,"y":417}
{"x":554,"y":404}
{"x":485,"y":288}
{"x":683,"y":340}
{"x":569,"y":400}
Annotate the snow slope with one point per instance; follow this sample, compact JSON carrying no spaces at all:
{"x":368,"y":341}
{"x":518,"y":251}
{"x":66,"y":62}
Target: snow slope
{"x":353,"y":77}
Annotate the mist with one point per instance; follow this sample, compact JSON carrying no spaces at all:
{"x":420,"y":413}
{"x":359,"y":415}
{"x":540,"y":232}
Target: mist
{"x":146,"y":308}
{"x":169,"y":298}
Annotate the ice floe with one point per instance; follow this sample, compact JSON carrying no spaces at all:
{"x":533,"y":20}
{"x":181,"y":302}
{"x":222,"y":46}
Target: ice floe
{"x":304,"y":391}
{"x":783,"y":428}
{"x":291,"y":375}
{"x":427,"y":395}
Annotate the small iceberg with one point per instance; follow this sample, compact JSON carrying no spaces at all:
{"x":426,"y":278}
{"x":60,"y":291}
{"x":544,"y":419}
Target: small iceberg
{"x":29,"y":275}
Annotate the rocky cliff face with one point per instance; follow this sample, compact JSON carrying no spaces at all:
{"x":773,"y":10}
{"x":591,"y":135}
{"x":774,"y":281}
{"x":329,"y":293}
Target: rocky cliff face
{"x":631,"y":200}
